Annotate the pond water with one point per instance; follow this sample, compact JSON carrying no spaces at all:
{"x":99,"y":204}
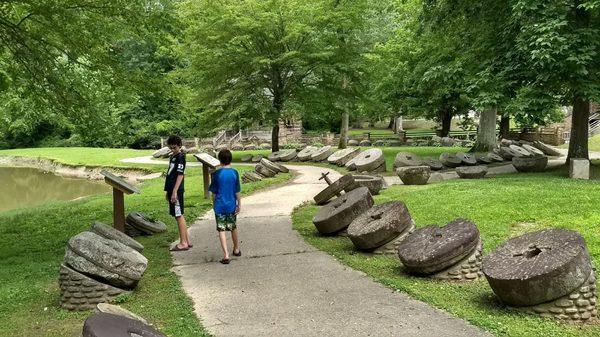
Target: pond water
{"x":22,"y":187}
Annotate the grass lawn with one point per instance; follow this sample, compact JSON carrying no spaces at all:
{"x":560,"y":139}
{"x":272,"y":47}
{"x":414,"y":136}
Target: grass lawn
{"x":502,"y":207}
{"x":78,"y":156}
{"x":33,"y":240}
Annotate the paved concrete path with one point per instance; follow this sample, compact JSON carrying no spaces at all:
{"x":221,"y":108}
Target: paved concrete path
{"x":281,"y":286}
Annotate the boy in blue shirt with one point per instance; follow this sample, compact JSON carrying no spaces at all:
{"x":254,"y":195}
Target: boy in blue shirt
{"x":226,"y":196}
{"x":174,"y":188}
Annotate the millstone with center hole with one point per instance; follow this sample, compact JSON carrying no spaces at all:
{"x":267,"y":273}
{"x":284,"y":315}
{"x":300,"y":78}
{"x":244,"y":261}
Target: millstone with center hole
{"x":472,"y":172}
{"x":373,"y":183}
{"x":144,"y":223}
{"x":379,"y":225}
{"x":105,"y":259}
{"x":287,"y":155}
{"x":270,"y":165}
{"x":341,"y":157}
{"x":369,"y":160}
{"x":339,"y":213}
{"x":334,"y":189}
{"x":434,"y":164}
{"x":81,"y":292}
{"x":113,"y":234}
{"x":450,"y":160}
{"x":256,"y":158}
{"x":414,"y":175}
{"x":264,"y":171}
{"x":304,"y":154}
{"x":538,"y":267}
{"x":321,"y":154}
{"x":431,"y":249}
{"x":273,"y":156}
{"x":109,"y":325}
{"x":530,"y":164}
{"x":466,"y":159}
{"x":404,"y":159}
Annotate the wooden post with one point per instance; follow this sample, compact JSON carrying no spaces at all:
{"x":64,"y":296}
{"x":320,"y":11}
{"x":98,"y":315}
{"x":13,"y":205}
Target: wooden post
{"x":118,"y":210}
{"x":206,"y":180}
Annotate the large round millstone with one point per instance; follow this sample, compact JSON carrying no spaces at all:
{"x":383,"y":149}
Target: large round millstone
{"x":379,"y":225}
{"x":339,"y":213}
{"x":530,"y":164}
{"x":304,"y":154}
{"x":369,"y":160}
{"x":351,"y":165}
{"x":321,"y":154}
{"x":466,"y":159}
{"x":485,"y":159}
{"x":145,"y":223}
{"x":538,"y":267}
{"x":365,"y":143}
{"x":547,"y":149}
{"x":450,"y":160}
{"x":113,"y":234}
{"x":353,"y":142}
{"x":533,"y":150}
{"x":113,"y":309}
{"x":507,"y":153}
{"x":404,"y":159}
{"x":271,"y":165}
{"x":472,"y":172}
{"x":334,"y":189}
{"x":246,"y":158}
{"x":109,"y":325}
{"x":373,"y":183}
{"x":286,"y":155}
{"x":521,"y":151}
{"x":257,"y":158}
{"x":414,"y":175}
{"x":105,"y":259}
{"x":273,"y":156}
{"x":264,"y":171}
{"x":434,"y":164}
{"x":165,"y":151}
{"x":341,"y":157}
{"x":495,"y":157}
{"x":281,"y":168}
{"x":80,"y":292}
{"x":251,"y":176}
{"x":432,"y":248}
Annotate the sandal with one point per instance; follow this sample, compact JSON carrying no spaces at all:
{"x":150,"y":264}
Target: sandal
{"x":239,"y":253}
{"x":190,"y":245}
{"x":224,"y":261}
{"x":178,"y":249}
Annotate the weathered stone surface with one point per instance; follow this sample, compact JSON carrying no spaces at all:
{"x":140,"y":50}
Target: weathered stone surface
{"x":264,"y":171}
{"x":495,"y":157}
{"x":271,"y":165}
{"x":145,"y":223}
{"x":251,"y":176}
{"x":339,"y":213}
{"x":485,"y":159}
{"x":391,"y":248}
{"x":257,"y":158}
{"x":373,"y":183}
{"x":305,"y":154}
{"x":341,"y":157}
{"x":113,"y":234}
{"x":353,"y":142}
{"x":447,"y":141}
{"x":547,"y":149}
{"x":466,"y":159}
{"x":108,"y":308}
{"x":467,"y":269}
{"x":109,"y":325}
{"x":404,"y":159}
{"x":281,"y":168}
{"x":415,"y":175}
{"x":351,"y":165}
{"x":379,"y":225}
{"x":369,"y":160}
{"x":579,"y":168}
{"x":365,"y":143}
{"x":250,"y":147}
{"x":450,"y":160}
{"x":532,"y":149}
{"x":431,"y":249}
{"x":434,"y":164}
{"x":161,"y":153}
{"x":80,"y":292}
{"x":538,"y":267}
{"x":472,"y":172}
{"x":273,"y":156}
{"x":507,"y":153}
{"x":286,"y":155}
{"x":106,"y":259}
{"x":380,"y":169}
{"x":530,"y":164}
{"x":322,"y":154}
{"x":246,"y":158}
{"x":334,"y":189}
{"x":520,"y":151}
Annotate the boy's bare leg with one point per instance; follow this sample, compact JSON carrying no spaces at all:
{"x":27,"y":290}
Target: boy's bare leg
{"x":234,"y":238}
{"x":183,"y":233}
{"x":223,"y":239}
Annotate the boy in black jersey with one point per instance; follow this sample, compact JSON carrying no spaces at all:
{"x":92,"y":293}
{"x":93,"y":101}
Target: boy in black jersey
{"x":174,"y":188}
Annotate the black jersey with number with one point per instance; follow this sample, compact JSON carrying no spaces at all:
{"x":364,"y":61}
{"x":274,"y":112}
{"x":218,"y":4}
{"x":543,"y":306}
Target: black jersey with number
{"x":176,"y":167}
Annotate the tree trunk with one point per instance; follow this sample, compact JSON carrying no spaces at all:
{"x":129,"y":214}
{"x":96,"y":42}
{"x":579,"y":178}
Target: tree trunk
{"x":344,"y":130}
{"x":578,"y":143}
{"x":275,"y":136}
{"x":446,"y":121}
{"x":391,"y":124}
{"x":486,"y":133}
{"x":276,"y":110}
{"x":504,"y":126}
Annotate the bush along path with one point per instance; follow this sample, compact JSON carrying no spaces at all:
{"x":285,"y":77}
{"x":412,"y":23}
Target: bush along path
{"x":281,"y":286}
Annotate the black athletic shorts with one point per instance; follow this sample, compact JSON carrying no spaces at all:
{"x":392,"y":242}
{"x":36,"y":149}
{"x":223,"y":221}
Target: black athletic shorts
{"x":176,"y":209}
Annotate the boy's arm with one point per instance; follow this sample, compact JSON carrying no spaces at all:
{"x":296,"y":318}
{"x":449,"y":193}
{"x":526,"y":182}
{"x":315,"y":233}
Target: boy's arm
{"x":177,"y":184}
{"x":238,"y":197}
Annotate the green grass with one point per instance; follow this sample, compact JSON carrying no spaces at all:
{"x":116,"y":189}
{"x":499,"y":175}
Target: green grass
{"x":79,"y":156}
{"x":374,"y":132}
{"x":502,"y":207}
{"x":33,"y":240}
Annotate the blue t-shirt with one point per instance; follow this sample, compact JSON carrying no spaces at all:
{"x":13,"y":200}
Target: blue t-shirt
{"x":224,"y":185}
